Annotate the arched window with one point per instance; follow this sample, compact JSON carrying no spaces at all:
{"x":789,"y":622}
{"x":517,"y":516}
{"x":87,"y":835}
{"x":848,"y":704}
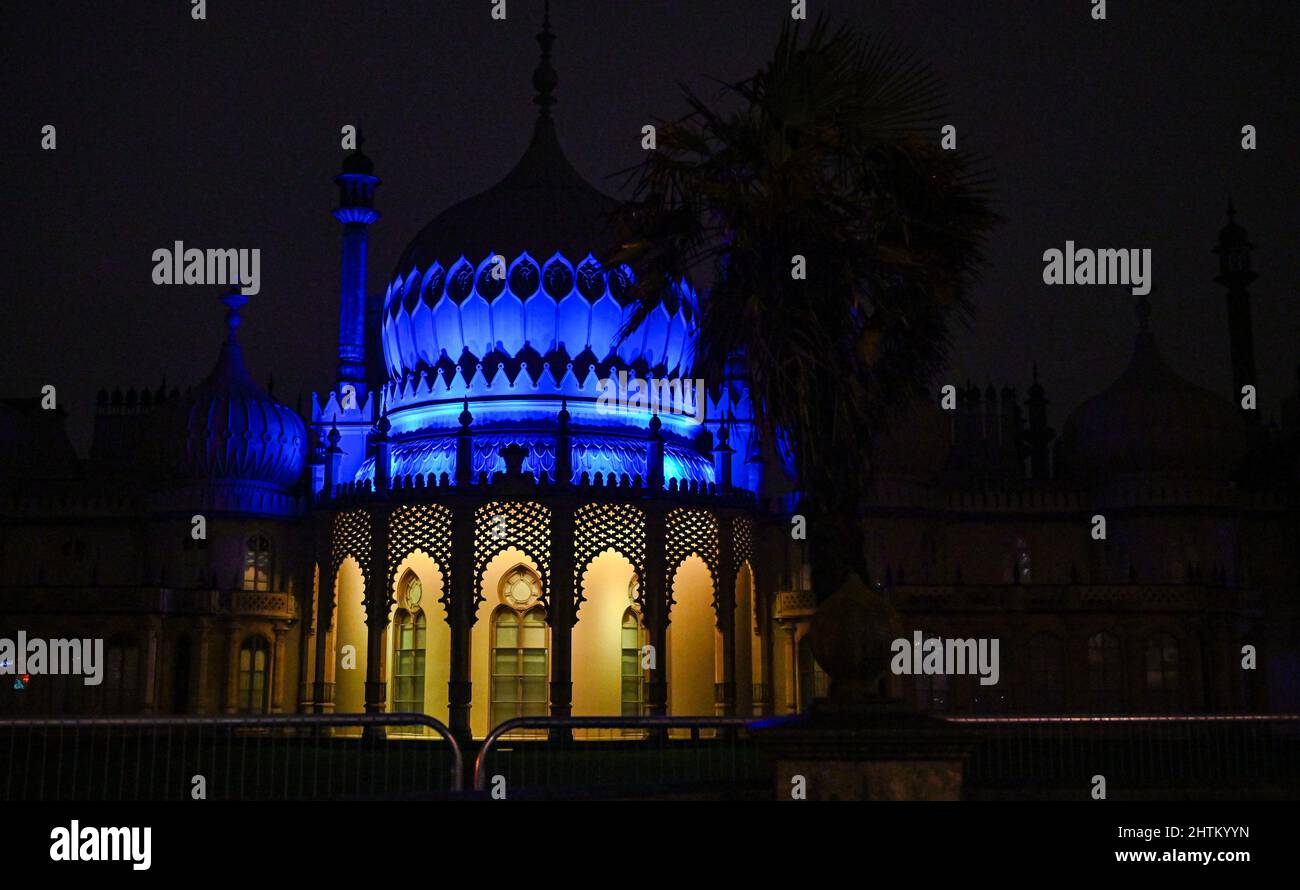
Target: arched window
{"x":520,"y":588}
{"x":408,"y":661}
{"x":1162,"y":672}
{"x":519,"y":670}
{"x":257,"y":563}
{"x":634,"y":639}
{"x":120,"y":690}
{"x":1105,"y":685}
{"x":1046,"y":676}
{"x":254,"y":675}
{"x":412,"y":591}
{"x":519,"y":648}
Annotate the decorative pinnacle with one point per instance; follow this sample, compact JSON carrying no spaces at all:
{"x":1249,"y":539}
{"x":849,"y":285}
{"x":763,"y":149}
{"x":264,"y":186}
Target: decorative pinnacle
{"x":334,"y":436}
{"x":544,"y":77}
{"x":724,"y":438}
{"x":384,"y":426}
{"x":233,"y":300}
{"x":655,"y":424}
{"x":465,"y":417}
{"x":563,"y":416}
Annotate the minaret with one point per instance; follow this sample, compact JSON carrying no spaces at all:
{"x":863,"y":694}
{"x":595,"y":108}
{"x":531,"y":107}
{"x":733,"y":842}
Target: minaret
{"x":345,"y":415}
{"x":1039,"y":435}
{"x":356,"y":211}
{"x":1236,"y":274}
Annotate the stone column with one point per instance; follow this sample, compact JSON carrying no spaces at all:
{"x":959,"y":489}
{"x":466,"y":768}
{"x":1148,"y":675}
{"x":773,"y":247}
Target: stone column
{"x":322,"y":695}
{"x":792,"y":667}
{"x":303,"y":695}
{"x":202,"y":655}
{"x":562,"y":615}
{"x":279,"y":667}
{"x":461,"y":617}
{"x":725,"y":600}
{"x":766,"y":707}
{"x":377,"y":602}
{"x":153,"y":644}
{"x":232,"y":668}
{"x":655,"y":599}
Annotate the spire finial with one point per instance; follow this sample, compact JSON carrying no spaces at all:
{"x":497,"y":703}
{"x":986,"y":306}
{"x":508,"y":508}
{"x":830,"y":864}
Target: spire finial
{"x":544,"y":77}
{"x":233,"y":300}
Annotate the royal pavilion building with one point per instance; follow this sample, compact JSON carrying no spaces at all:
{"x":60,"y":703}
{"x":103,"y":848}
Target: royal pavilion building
{"x":465,"y":524}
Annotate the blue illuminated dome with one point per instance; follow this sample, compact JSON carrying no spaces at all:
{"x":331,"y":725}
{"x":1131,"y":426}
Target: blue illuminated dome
{"x":228,"y":432}
{"x":502,"y":304}
{"x":548,"y":299}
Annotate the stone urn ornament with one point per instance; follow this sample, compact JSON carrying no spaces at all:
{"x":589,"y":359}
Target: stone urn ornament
{"x":852,"y":636}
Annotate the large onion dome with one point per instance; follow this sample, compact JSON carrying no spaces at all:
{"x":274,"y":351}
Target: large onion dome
{"x":1151,"y":423}
{"x":227,"y":430}
{"x":513,"y":276}
{"x":503,"y":306}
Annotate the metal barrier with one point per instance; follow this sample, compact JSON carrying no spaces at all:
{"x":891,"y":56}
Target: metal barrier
{"x":616,"y":755}
{"x":1239,"y":755}
{"x":286,"y":757}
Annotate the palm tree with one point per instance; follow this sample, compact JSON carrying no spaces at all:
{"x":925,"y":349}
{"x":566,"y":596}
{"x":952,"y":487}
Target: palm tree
{"x":830,"y":154}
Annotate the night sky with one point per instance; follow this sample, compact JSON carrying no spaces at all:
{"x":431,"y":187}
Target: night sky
{"x":225,"y":133}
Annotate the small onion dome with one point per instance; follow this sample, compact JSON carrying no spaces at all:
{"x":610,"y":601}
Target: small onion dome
{"x":917,"y":444}
{"x":1151,"y":422}
{"x":227,"y":429}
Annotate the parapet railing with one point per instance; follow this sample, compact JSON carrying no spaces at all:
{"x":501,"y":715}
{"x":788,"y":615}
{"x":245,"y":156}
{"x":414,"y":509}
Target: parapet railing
{"x":657,"y":752}
{"x":280,"y":757}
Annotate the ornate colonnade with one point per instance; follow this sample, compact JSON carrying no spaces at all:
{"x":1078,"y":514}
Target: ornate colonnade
{"x":562,"y":529}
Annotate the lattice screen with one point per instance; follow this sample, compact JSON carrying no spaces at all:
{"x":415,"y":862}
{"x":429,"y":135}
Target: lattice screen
{"x":601,"y":527}
{"x":524,"y":525}
{"x":351,"y":538}
{"x":424,"y":527}
{"x":691,"y":532}
{"x":742,"y":529}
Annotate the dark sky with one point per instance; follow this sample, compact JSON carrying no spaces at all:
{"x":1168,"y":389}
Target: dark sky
{"x":224,"y":133}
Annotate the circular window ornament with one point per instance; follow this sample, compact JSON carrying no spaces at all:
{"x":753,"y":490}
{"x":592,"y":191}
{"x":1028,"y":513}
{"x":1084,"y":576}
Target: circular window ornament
{"x":520,"y":588}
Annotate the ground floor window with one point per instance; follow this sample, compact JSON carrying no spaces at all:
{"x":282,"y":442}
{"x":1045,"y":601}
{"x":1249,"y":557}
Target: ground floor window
{"x":1162,"y":672}
{"x":634,"y":639}
{"x":519,"y":668}
{"x":408,"y":662}
{"x":254,"y":675}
